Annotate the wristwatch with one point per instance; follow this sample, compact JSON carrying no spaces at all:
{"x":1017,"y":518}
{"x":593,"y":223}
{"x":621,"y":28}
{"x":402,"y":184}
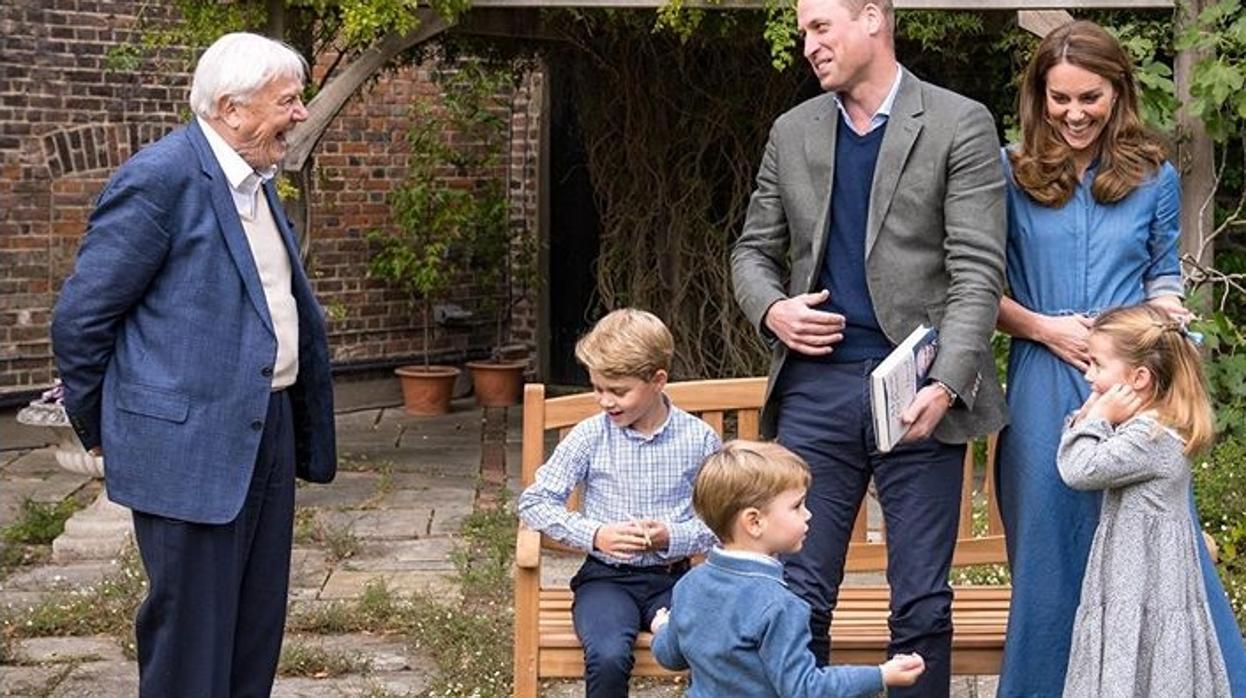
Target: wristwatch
{"x":947,"y":390}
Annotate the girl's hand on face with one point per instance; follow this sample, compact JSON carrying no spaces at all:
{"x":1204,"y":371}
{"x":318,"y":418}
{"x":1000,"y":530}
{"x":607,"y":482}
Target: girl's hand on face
{"x":1082,"y":411}
{"x":1118,"y":404}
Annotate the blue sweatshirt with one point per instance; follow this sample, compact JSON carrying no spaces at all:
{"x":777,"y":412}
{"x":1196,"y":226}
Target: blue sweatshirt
{"x":743,"y":633}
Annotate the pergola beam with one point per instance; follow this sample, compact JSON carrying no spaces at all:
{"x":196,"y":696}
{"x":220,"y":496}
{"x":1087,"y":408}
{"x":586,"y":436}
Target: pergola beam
{"x":900,"y":4}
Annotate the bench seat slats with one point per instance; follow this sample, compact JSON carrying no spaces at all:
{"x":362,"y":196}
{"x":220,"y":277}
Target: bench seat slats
{"x":545,"y":642}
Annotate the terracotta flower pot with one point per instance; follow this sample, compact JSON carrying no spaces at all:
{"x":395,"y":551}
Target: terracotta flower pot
{"x":497,"y":383}
{"x":426,"y":391}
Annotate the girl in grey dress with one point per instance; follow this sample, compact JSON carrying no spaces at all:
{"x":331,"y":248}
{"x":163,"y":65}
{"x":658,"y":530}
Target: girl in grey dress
{"x":1143,"y":627}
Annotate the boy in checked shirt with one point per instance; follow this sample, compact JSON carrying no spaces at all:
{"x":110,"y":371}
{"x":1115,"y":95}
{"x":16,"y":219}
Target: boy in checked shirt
{"x":637,"y":461}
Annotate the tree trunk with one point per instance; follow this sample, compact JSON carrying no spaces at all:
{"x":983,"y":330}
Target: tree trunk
{"x":1195,"y":159}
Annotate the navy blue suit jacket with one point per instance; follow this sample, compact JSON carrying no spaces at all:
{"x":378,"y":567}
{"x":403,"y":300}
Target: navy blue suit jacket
{"x":163,"y":339}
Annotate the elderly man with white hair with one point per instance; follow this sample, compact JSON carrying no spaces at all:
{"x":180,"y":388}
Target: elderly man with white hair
{"x":195,"y":358}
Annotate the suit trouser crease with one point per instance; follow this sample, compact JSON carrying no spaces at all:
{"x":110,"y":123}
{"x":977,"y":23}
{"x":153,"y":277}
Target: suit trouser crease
{"x":825,"y":417}
{"x":214,"y":616}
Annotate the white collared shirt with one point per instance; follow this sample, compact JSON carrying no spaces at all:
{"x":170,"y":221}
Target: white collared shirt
{"x":244,"y":181}
{"x":273,"y":263}
{"x":750,"y":555}
{"x":882,"y":113}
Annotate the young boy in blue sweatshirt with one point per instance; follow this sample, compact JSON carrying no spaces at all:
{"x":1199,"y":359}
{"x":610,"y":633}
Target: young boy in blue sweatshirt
{"x":637,"y":460}
{"x":732,"y":619}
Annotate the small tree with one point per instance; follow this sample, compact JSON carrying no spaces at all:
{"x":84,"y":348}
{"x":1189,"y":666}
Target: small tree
{"x":451,"y":213}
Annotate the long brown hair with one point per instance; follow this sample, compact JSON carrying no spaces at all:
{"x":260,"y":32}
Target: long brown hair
{"x":1142,"y":335}
{"x":1043,"y":166}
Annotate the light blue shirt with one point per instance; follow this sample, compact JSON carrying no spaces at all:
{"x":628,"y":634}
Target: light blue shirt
{"x":626,"y":474}
{"x":1084,"y":256}
{"x":881,"y":114}
{"x":740,"y":629}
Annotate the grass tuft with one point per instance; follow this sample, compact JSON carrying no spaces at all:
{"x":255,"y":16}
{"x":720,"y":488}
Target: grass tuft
{"x":299,"y":658}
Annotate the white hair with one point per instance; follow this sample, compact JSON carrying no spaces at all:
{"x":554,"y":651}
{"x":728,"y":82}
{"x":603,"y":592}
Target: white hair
{"x":238,"y":65}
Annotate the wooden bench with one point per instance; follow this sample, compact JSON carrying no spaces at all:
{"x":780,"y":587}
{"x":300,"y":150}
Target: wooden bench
{"x":546,"y":645}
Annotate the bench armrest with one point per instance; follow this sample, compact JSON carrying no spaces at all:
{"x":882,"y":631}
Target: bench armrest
{"x":527,"y":548}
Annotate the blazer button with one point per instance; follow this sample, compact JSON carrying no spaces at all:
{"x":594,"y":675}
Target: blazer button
{"x":267,"y":371}
{"x":257,"y":425}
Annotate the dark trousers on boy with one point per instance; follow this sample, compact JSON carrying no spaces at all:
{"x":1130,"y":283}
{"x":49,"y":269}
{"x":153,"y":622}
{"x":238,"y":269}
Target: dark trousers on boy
{"x":825,"y":417}
{"x":611,"y":604}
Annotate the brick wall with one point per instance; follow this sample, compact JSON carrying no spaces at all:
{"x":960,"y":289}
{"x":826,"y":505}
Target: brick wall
{"x":67,"y":121}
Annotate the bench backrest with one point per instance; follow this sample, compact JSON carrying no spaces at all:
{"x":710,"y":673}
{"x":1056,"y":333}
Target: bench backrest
{"x":732,"y":407}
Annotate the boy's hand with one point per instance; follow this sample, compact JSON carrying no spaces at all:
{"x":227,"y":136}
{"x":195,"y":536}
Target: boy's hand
{"x":658,"y":534}
{"x":660,"y":619}
{"x":903,"y":669}
{"x":623,"y":539}
{"x":1118,"y":404}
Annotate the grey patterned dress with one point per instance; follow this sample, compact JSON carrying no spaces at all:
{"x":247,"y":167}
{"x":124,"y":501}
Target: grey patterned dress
{"x":1143,"y":627}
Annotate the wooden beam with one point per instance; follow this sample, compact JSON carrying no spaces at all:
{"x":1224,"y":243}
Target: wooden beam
{"x":1041,"y":22}
{"x":900,"y":4}
{"x":325,"y":105}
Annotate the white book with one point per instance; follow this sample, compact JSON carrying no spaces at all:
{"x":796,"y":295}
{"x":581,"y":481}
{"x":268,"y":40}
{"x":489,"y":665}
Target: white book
{"x":894,"y":383}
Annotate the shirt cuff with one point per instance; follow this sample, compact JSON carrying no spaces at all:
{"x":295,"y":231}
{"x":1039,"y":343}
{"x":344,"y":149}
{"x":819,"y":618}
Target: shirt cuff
{"x":1168,"y":285}
{"x":583,"y":532}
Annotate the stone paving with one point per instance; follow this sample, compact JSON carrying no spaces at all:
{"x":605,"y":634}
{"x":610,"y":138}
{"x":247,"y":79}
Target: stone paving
{"x":405,"y":486}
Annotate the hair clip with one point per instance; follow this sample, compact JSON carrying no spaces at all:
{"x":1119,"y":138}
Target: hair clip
{"x":1196,"y":338}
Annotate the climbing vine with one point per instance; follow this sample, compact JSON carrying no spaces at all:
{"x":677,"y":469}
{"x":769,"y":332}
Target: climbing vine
{"x":672,"y":125}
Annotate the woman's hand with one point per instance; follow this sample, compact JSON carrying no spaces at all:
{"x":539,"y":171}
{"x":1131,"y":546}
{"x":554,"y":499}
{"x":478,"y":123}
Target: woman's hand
{"x":1173,"y":307}
{"x":1066,"y":336}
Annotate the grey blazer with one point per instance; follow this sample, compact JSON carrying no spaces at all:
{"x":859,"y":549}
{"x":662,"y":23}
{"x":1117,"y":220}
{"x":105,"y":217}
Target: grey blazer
{"x":934,"y":242}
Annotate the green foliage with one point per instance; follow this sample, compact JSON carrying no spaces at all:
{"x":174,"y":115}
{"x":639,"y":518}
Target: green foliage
{"x":452,"y":209}
{"x":942,"y":33}
{"x":675,"y":17}
{"x":39,"y":523}
{"x":107,"y":607}
{"x":1148,"y":40}
{"x":200,"y":22}
{"x":780,"y":32}
{"x":123,"y":58}
{"x":1220,"y":490}
{"x":1225,"y":346}
{"x":300,"y":658}
{"x":1216,"y":87}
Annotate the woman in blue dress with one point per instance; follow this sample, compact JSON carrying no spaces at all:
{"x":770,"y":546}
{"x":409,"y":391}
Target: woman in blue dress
{"x":1093,"y":211}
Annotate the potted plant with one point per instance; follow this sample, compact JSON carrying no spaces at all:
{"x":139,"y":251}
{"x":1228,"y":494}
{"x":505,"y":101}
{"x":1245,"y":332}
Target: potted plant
{"x":500,"y":255}
{"x":504,"y":259}
{"x":451,"y":215}
{"x":418,"y":257}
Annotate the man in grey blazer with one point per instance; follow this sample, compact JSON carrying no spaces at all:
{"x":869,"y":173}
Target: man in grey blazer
{"x":879,"y":206}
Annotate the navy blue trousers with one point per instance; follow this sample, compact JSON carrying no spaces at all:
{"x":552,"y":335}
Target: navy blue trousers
{"x":609,"y":607}
{"x":214,"y":616}
{"x":824,"y":416}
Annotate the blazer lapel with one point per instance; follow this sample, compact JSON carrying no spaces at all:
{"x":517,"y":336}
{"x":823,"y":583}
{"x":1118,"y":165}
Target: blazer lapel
{"x":820,"y":162}
{"x":903,"y":127}
{"x":231,"y":224}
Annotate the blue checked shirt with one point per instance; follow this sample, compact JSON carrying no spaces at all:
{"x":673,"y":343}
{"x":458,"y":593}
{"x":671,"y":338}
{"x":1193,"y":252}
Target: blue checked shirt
{"x":625,"y":473}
